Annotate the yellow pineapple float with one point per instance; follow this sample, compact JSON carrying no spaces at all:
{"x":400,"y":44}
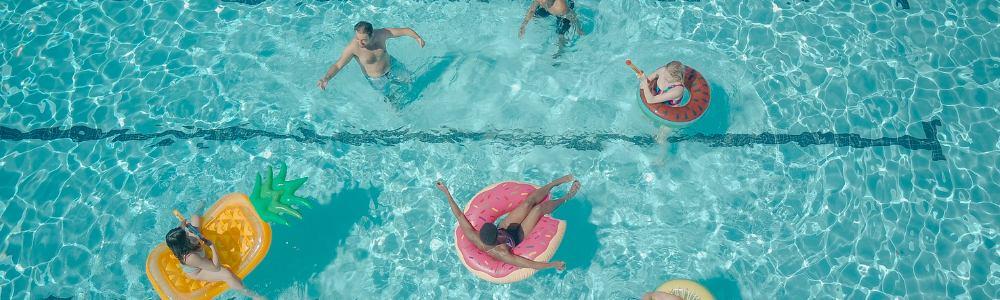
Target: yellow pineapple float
{"x":239,"y":227}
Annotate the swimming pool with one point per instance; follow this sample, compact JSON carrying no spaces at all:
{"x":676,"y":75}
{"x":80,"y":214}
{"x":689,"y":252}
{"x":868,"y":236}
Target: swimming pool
{"x":178,"y":103}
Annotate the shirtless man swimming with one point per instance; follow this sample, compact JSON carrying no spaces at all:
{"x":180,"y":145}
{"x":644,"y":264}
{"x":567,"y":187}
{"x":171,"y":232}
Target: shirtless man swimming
{"x":369,"y":49}
{"x":562,"y":10}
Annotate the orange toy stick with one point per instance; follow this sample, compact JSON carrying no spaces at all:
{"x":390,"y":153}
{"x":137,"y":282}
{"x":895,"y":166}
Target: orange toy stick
{"x":638,"y":73}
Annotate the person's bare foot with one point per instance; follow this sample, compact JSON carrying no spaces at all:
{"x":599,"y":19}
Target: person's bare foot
{"x":661,"y":156}
{"x":662,"y":136}
{"x":564,"y":179}
{"x":549,"y":206}
{"x":573,"y":189}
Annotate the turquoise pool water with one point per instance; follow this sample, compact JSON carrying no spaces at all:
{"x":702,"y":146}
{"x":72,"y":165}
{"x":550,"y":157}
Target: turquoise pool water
{"x":177,"y":103}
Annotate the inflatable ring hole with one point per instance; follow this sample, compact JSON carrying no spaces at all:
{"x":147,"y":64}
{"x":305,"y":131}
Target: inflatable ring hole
{"x":685,"y":294}
{"x":686,"y":289}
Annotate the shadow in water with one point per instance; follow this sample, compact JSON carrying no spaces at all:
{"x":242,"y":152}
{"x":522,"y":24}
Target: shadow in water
{"x":402,"y":94}
{"x":587,"y":19}
{"x":305,"y":248}
{"x":714,"y":121}
{"x":580,"y":243}
{"x":429,"y":75}
{"x":716,"y":118}
{"x":723,"y":287}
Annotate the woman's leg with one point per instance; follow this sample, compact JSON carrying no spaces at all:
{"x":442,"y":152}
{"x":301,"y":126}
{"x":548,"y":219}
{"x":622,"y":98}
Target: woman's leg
{"x":661,"y":139}
{"x":536,"y":196}
{"x":663,"y":134}
{"x":196,"y":217}
{"x":229,"y":278}
{"x":545,"y":208}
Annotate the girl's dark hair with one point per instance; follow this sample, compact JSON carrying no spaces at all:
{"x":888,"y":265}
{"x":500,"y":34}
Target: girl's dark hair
{"x":180,"y":244}
{"x":488,"y":234}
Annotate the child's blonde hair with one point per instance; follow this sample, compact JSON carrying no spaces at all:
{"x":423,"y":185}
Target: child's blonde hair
{"x":675,"y":69}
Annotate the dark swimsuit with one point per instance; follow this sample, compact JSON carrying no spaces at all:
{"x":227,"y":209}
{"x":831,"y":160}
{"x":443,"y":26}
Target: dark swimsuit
{"x":671,"y":102}
{"x":514,"y":234}
{"x":562,"y":24}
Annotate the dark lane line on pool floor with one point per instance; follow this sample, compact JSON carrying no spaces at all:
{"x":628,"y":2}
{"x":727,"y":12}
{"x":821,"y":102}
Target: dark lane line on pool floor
{"x":903,"y":4}
{"x":586,"y":141}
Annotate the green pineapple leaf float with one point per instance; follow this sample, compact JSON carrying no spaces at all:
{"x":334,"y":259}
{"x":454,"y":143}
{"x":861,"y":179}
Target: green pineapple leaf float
{"x":274,"y":197}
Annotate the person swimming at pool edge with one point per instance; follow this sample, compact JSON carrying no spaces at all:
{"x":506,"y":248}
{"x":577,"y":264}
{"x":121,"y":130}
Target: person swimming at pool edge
{"x":369,"y":49}
{"x":565,"y":15}
{"x":496,"y":241}
{"x":189,"y":249}
{"x":668,"y":88}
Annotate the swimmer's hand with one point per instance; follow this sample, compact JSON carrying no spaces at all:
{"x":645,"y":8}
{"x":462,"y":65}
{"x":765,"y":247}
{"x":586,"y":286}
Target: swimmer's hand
{"x":527,"y":17}
{"x":440,"y":186}
{"x":420,"y":41}
{"x":559,"y":265}
{"x":322,"y":82}
{"x":208,"y":242}
{"x":194,"y":230}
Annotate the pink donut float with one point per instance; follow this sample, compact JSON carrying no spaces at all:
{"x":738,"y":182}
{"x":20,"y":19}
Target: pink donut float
{"x":486,"y":207}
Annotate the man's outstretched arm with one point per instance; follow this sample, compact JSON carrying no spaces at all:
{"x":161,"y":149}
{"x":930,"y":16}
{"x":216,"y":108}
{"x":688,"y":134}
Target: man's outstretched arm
{"x":398,"y":32}
{"x":335,"y":68}
{"x":527,"y":18}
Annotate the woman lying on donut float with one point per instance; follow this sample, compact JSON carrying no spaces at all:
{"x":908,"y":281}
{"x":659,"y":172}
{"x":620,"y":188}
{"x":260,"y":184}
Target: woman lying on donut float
{"x":499,"y":241}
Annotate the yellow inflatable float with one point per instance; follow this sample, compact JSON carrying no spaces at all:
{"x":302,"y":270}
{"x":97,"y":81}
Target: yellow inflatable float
{"x":686,"y":289}
{"x":236,"y":225}
{"x":241,"y":237}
